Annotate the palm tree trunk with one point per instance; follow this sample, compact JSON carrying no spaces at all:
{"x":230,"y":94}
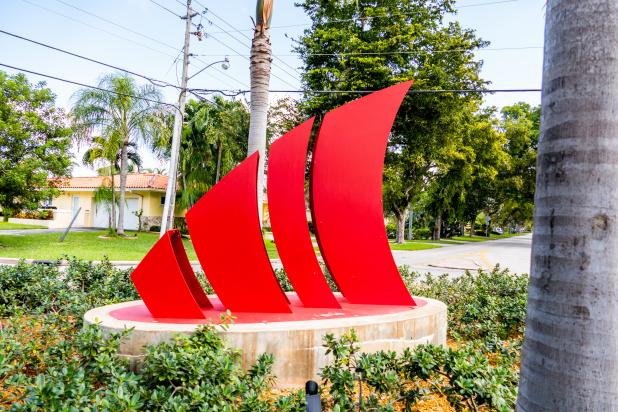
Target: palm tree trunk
{"x":261,"y":53}
{"x":570,"y":349}
{"x":113,"y":225}
{"x":123,"y":184}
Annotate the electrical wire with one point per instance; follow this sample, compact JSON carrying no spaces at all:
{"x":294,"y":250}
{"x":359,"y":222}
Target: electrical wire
{"x":412,"y":91}
{"x":130,"y":30}
{"x":85,"y":85}
{"x":96,"y":28}
{"x":490,"y":3}
{"x":159,"y":83}
{"x":397,"y":52}
{"x":248,"y":38}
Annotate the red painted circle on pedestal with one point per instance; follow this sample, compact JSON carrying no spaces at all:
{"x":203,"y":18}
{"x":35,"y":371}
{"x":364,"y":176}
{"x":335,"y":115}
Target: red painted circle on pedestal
{"x":139,"y":312}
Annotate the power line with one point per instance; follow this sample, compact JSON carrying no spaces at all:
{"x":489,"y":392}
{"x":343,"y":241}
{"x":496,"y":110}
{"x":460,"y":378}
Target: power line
{"x":165,"y":8}
{"x":412,"y":91}
{"x":130,"y":30}
{"x":96,"y":28}
{"x":159,"y":83}
{"x":86,"y":85}
{"x":397,"y":52}
{"x":194,"y":55}
{"x":287,"y":26}
{"x":246,"y":37}
{"x":246,"y":58}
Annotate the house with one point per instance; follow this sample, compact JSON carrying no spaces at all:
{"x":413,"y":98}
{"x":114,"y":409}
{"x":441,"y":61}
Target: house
{"x":144,"y":191}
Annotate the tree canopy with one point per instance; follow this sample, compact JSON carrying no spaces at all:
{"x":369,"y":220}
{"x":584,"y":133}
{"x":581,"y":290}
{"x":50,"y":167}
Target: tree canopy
{"x":34,"y":143}
{"x":355,"y":46}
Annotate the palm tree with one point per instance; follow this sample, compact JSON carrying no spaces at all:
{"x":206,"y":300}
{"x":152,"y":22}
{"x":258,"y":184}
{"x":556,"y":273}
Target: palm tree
{"x":570,"y":348}
{"x":261,"y":56}
{"x":108,"y":150}
{"x":123,"y":111}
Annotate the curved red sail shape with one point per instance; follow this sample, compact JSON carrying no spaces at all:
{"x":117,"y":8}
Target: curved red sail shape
{"x":288,"y":218}
{"x":225,"y":230}
{"x":346,"y":198}
{"x":166,"y":283}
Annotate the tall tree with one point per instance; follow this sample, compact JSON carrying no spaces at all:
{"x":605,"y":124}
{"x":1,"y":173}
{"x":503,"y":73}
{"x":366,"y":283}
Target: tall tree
{"x":261,"y":56}
{"x":123,"y":110}
{"x":570,"y":347}
{"x":34,"y":144}
{"x":364,"y":45}
{"x":520,"y":123}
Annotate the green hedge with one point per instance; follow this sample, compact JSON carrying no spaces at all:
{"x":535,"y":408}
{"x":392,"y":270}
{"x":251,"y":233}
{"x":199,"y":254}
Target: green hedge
{"x":49,"y":361}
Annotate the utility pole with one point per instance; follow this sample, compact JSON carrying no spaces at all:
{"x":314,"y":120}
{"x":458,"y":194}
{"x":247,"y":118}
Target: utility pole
{"x":167,"y":220}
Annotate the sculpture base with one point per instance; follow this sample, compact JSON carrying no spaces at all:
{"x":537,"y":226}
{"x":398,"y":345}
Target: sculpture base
{"x":295,"y":339}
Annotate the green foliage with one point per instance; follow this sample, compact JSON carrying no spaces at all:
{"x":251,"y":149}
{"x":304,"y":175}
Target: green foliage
{"x":465,"y":376}
{"x":520,"y":123}
{"x":482,"y":305}
{"x":49,"y":361}
{"x":214,"y":141}
{"x":34,"y":144}
{"x":40,"y":289}
{"x":121,"y":113}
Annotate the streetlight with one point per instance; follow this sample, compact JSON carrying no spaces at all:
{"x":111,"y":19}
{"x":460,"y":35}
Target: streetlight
{"x":225,"y":64}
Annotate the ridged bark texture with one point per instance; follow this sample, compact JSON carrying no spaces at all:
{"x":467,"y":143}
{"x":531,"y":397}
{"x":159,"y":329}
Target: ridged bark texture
{"x":124,"y":169}
{"x":570,"y":353}
{"x":260,"y":78}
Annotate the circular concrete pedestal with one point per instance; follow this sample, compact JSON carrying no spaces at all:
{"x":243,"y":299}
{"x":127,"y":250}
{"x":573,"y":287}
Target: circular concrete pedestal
{"x":294,"y":339}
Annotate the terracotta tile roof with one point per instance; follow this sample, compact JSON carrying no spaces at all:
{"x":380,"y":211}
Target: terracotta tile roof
{"x":134,"y":181}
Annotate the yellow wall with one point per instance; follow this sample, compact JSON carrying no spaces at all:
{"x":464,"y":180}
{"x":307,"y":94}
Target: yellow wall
{"x":149,"y":201}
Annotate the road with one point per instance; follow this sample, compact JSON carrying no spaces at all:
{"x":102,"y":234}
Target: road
{"x":512,"y":253}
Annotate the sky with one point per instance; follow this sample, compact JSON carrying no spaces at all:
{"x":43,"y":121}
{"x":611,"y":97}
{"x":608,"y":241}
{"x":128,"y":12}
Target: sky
{"x":146,"y":37}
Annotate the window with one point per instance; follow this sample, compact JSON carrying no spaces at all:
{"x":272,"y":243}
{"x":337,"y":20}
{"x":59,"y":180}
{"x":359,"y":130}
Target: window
{"x":162,"y":200}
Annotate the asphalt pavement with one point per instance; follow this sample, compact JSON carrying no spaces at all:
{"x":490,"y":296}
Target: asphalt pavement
{"x":512,"y":253}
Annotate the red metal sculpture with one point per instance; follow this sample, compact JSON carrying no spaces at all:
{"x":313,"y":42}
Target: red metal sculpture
{"x":346,"y":201}
{"x":226,"y":234}
{"x":346,"y":198}
{"x":287,"y":159}
{"x":166,"y":283}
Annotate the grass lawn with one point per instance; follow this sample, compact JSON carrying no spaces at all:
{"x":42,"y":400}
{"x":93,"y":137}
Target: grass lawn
{"x":88,"y":245}
{"x":11,"y":226}
{"x":492,"y":236}
{"x":412,"y":245}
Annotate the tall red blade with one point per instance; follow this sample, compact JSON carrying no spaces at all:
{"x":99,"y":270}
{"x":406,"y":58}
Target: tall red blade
{"x":346,"y":198}
{"x":225,"y":231}
{"x":287,"y":158}
{"x":166,"y":283}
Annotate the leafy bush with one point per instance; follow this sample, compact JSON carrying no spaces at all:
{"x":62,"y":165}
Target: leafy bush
{"x":464,"y":376}
{"x":35,"y":214}
{"x":155,"y":228}
{"x":422,"y":233}
{"x":481,"y":305}
{"x":49,"y":361}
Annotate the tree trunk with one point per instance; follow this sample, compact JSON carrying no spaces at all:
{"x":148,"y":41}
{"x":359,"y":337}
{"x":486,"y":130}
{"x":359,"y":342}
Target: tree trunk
{"x":437,"y":227}
{"x":123,"y":185}
{"x":219,"y":153}
{"x":401,"y":227}
{"x":5,"y":216}
{"x":260,"y":77}
{"x":113,"y":225}
{"x":570,"y":348}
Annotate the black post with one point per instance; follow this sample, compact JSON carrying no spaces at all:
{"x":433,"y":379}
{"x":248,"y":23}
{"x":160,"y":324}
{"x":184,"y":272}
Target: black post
{"x":312,"y":397}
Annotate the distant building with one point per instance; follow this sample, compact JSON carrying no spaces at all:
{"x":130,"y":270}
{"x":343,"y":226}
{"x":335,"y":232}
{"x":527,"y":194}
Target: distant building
{"x":145,"y":191}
